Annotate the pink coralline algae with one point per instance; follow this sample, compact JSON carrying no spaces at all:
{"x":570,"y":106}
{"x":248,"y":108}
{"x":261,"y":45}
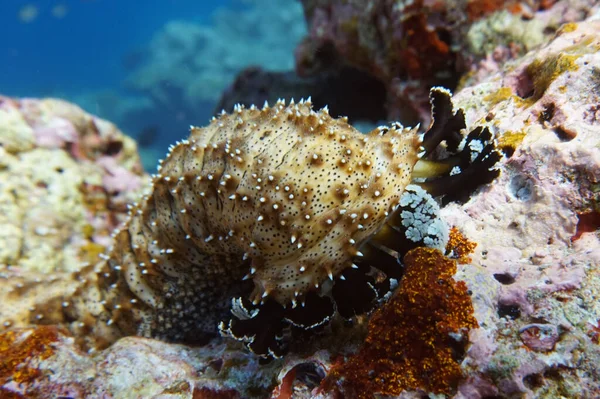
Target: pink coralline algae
{"x":537,"y":291}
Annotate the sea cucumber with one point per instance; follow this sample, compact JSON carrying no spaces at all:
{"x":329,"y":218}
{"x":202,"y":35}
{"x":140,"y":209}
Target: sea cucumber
{"x":272,"y":219}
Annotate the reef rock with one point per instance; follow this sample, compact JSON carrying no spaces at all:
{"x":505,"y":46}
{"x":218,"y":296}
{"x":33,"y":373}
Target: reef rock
{"x":66,"y":178}
{"x":412,"y":45}
{"x":534,"y":275}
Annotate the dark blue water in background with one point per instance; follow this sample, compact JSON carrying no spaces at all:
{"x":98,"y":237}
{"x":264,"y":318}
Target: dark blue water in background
{"x":90,"y":51}
{"x":84,"y":49}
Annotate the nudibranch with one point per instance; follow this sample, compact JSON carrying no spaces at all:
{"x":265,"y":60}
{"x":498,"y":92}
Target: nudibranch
{"x":271,"y":220}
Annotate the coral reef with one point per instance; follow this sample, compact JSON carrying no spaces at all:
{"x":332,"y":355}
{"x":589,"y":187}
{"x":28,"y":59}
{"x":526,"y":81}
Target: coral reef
{"x":189,"y":64}
{"x":43,"y":363}
{"x":536,"y":296}
{"x":276,"y":215}
{"x":526,"y":247}
{"x":66,"y":178}
{"x":411,"y":46}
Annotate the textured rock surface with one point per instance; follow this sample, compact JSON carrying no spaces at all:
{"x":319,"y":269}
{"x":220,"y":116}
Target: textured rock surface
{"x":536,"y":295}
{"x":65,"y":180}
{"x":411,"y":45}
{"x":534,"y":276}
{"x":45,"y":363}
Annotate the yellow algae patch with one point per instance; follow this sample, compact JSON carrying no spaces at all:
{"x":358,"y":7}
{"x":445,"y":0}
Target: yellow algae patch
{"x":567,"y":28}
{"x":544,"y":72}
{"x":503,"y":94}
{"x":509,"y":141}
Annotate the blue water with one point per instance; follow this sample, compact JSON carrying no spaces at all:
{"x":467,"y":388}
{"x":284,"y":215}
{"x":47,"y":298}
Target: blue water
{"x":91,"y":51}
{"x":85,"y":48}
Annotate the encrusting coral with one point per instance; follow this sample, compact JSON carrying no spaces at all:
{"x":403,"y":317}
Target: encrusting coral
{"x":268,"y":220}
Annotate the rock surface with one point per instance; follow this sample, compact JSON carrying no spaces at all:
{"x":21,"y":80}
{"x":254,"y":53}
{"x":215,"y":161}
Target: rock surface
{"x":66,"y":178}
{"x":534,"y":278}
{"x":412,"y":45}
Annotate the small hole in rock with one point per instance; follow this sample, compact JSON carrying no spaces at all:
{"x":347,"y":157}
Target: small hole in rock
{"x":553,"y":374}
{"x":504,"y":278}
{"x":509,"y":311}
{"x":586,"y":223}
{"x":113,"y":148}
{"x":524,"y":88}
{"x":521,"y":187}
{"x":547,"y":112}
{"x":508,"y":150}
{"x":310,"y":374}
{"x":533,"y":381}
{"x":564,"y":133}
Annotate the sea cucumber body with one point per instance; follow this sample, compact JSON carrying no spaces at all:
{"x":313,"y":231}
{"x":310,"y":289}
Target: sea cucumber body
{"x":264,"y":203}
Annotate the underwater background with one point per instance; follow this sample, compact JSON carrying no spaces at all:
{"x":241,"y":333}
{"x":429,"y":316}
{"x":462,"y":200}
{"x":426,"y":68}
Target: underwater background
{"x":487,"y":287}
{"x":154,"y":68}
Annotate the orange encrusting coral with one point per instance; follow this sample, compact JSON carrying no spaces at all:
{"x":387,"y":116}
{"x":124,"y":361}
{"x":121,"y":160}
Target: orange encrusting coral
{"x":409,"y":344}
{"x":18,"y":347}
{"x":459,"y":246}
